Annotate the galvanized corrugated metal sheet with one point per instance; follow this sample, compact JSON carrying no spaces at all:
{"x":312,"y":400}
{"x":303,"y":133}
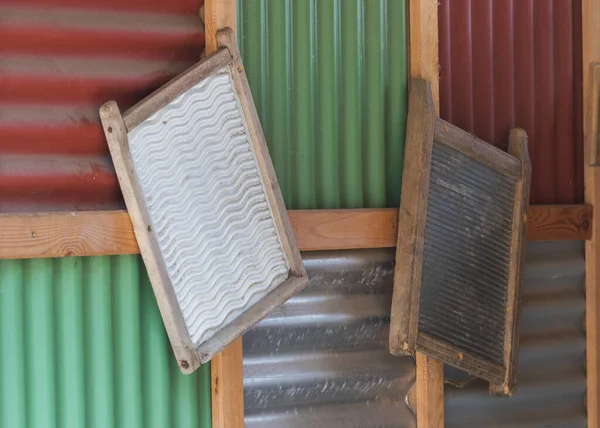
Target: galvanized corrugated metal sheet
{"x":322,"y":359}
{"x":329,"y":79}
{"x":506,"y":63}
{"x":59,"y":61}
{"x":83,"y":344}
{"x":551,"y":381}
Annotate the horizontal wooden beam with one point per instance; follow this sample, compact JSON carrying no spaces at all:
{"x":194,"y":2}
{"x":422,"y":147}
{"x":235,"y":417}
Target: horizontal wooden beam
{"x":92,"y":233}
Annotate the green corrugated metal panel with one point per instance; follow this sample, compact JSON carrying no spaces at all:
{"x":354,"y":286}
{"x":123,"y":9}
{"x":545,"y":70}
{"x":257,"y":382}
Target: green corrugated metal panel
{"x":329,"y":79}
{"x":82,"y":344}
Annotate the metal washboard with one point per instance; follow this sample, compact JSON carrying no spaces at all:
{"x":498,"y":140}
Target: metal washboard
{"x":461,"y":241}
{"x":206,"y":208}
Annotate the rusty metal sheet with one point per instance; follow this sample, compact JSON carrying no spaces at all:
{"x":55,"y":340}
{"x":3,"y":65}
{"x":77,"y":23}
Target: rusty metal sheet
{"x":507,"y":63}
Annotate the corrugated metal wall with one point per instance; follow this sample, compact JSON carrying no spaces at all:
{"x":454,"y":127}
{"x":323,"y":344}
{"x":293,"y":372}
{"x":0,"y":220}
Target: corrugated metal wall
{"x":322,"y":359}
{"x":60,"y":60}
{"x":81,"y":339}
{"x":507,"y":63}
{"x":329,"y":79}
{"x":551,"y":383}
{"x":83,"y":344}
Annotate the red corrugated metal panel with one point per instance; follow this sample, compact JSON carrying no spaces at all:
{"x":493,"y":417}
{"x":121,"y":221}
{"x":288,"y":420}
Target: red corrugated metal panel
{"x":506,"y":63}
{"x":59,"y":61}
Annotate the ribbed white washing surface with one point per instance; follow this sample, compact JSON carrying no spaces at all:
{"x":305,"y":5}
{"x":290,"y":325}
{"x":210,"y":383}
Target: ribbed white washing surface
{"x":211,"y":216}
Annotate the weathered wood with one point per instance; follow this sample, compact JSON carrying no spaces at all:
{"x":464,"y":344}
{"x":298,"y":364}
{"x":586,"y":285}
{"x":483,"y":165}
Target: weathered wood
{"x":477,"y":149}
{"x":591,"y":54}
{"x":116,"y":136}
{"x":101,"y":233}
{"x":517,"y":147}
{"x":460,"y":358}
{"x":411,"y":220}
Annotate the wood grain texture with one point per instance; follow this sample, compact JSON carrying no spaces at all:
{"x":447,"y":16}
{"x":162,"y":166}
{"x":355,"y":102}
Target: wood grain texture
{"x":424,"y":64}
{"x":591,"y":54}
{"x":218,"y":14}
{"x":226,"y":366}
{"x":559,"y":222}
{"x":593,"y":110}
{"x":227,"y":380}
{"x":116,"y":136}
{"x":430,"y":392}
{"x":460,"y":358}
{"x":412,"y":218}
{"x":517,"y":147}
{"x":101,"y":233}
{"x":462,"y":141}
{"x":424,"y":44}
{"x":344,"y":229}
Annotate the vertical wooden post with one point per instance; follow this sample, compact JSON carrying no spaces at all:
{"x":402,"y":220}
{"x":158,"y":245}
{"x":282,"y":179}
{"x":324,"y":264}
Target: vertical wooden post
{"x":217,"y":14}
{"x":227,"y":376}
{"x":424,"y":63}
{"x":591,"y":54}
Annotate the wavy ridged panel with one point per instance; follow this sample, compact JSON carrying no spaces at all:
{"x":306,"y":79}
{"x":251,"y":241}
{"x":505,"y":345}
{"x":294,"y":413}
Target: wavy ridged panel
{"x":198,"y":172}
{"x":322,"y":358}
{"x":329,"y":79}
{"x":551,"y":383}
{"x":506,"y":63}
{"x":60,"y":60}
{"x":83,"y":345}
{"x":464,"y":282}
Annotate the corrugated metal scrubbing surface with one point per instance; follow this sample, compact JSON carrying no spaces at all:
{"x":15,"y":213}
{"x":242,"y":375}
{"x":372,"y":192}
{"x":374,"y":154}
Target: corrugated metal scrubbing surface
{"x":203,"y":188}
{"x":467,"y":246}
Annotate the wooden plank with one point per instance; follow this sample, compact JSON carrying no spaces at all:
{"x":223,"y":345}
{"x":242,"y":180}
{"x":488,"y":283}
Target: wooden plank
{"x":424,"y":63}
{"x":517,"y":147}
{"x":226,"y":367}
{"x":430,"y":392}
{"x":424,"y":57}
{"x":218,"y":14}
{"x":116,"y":135}
{"x":593,"y":111}
{"x":344,"y":229}
{"x":227,"y":379}
{"x":412,"y":218}
{"x":101,"y":233}
{"x":475,"y":148}
{"x":559,"y":222}
{"x":591,"y":54}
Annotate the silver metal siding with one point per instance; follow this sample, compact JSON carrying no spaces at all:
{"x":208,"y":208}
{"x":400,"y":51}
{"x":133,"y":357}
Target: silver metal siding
{"x":321,"y":360}
{"x":551,"y":379}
